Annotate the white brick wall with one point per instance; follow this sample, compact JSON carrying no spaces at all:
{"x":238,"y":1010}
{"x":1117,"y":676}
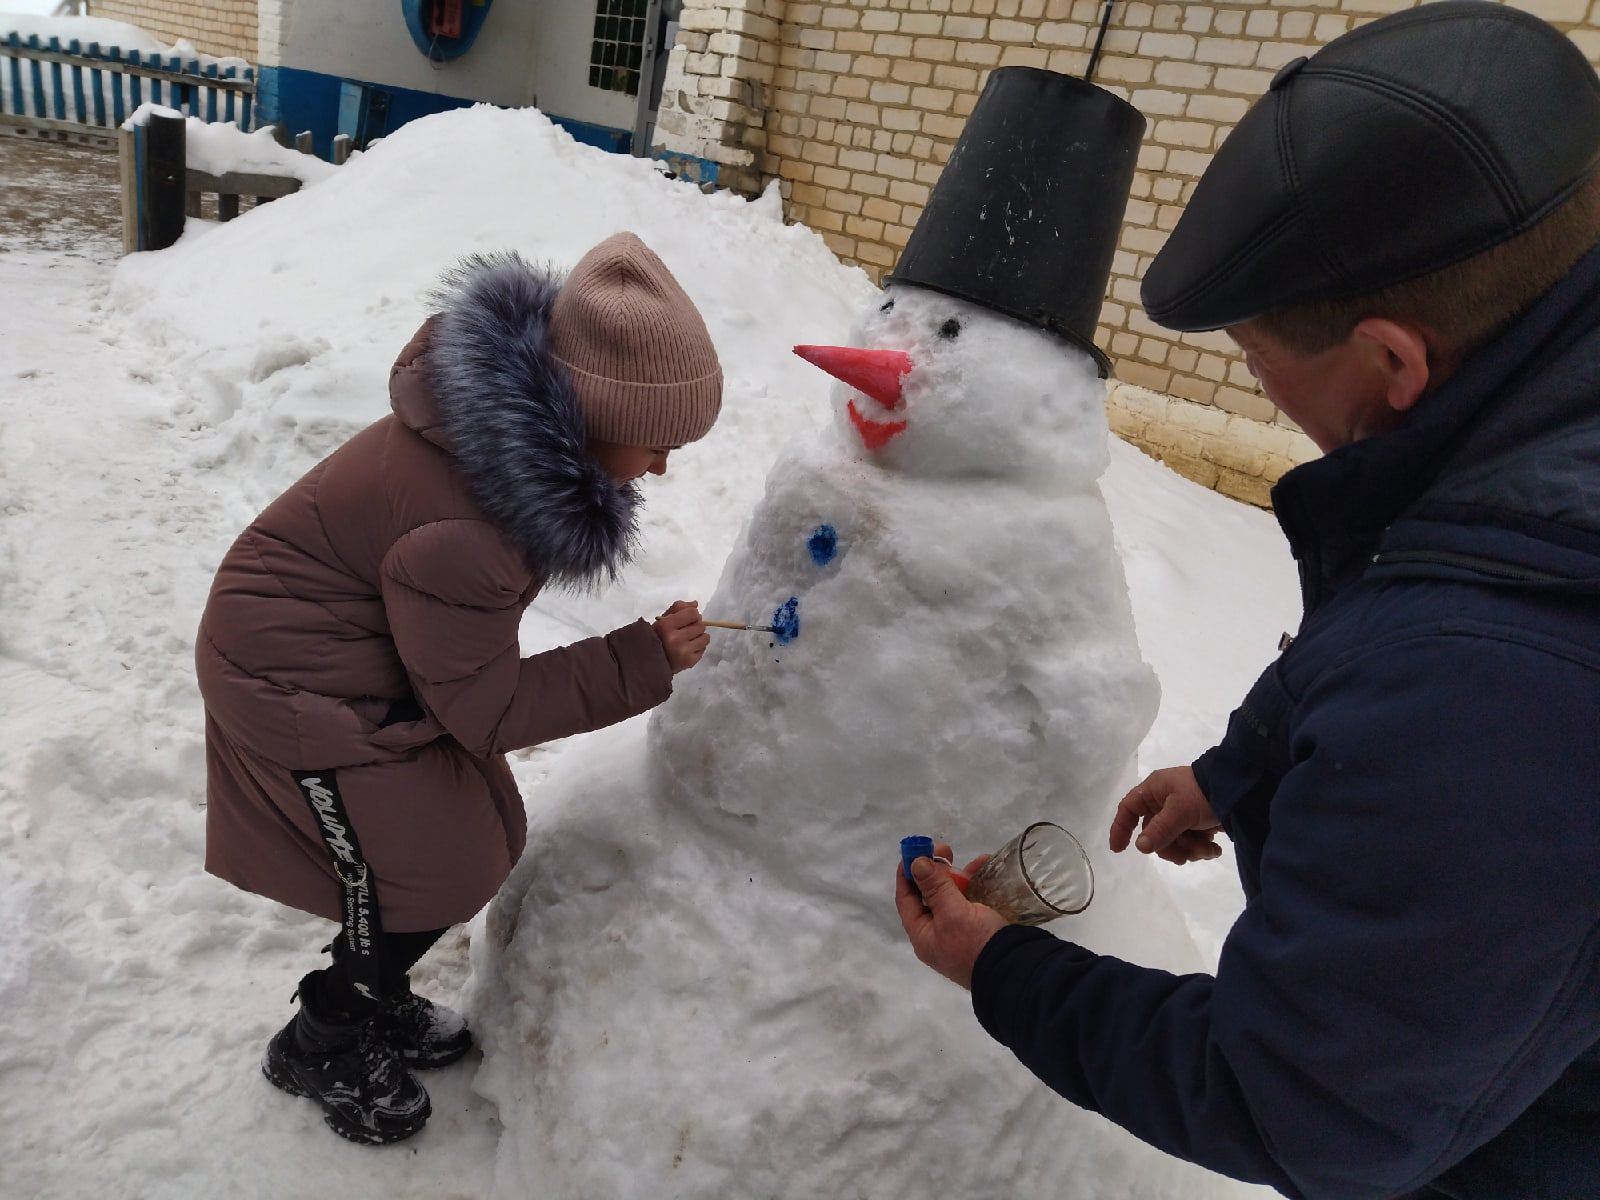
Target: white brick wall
{"x":272,"y":32}
{"x":718,"y":86}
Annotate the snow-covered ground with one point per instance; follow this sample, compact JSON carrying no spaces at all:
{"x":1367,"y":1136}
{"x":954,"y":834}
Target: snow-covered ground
{"x":154,"y":408}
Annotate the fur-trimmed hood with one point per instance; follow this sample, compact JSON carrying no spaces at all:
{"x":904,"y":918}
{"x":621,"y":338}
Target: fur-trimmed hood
{"x":479,"y":381}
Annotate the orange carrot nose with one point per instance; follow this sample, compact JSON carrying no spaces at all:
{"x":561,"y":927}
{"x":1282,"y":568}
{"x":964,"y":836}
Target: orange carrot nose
{"x":875,"y":373}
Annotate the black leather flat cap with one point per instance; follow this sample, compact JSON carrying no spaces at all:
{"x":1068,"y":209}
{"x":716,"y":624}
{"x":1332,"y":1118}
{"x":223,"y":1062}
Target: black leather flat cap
{"x":1402,"y":147}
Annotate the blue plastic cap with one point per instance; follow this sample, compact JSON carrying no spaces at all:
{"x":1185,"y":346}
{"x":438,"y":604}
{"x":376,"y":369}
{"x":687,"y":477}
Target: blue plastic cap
{"x":913,"y":848}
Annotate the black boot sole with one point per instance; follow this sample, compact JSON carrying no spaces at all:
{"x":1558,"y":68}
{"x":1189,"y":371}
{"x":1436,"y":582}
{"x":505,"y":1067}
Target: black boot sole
{"x":433,"y":1062}
{"x":287,"y":1081}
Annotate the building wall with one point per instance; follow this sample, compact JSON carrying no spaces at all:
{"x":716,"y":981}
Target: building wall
{"x":226,"y":28}
{"x":527,"y":52}
{"x":559,"y":65}
{"x":368,"y":40}
{"x":524,"y":54}
{"x":865,"y":99}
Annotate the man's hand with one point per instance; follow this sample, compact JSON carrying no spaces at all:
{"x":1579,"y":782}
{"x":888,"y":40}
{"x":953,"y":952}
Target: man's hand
{"x":947,"y":930}
{"x":683,"y":635}
{"x":1179,"y":825}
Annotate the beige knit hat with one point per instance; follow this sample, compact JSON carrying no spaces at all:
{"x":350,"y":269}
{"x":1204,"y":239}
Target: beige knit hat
{"x":641,"y":360}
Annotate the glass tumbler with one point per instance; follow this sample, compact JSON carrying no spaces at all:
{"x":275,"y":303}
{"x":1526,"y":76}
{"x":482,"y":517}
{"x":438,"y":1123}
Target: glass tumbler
{"x":1039,"y":875}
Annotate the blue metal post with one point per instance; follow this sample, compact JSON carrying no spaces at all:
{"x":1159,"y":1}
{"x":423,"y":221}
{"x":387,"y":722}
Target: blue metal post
{"x":211,"y":93}
{"x":58,"y":92}
{"x":17,"y":105}
{"x":191,"y":94}
{"x":140,"y":167}
{"x":114,"y":78}
{"x":135,"y":83}
{"x":97,"y":84}
{"x":80,"y":109}
{"x":36,"y":75}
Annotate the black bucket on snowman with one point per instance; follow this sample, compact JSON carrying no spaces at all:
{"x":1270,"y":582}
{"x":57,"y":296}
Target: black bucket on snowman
{"x":1026,"y":216}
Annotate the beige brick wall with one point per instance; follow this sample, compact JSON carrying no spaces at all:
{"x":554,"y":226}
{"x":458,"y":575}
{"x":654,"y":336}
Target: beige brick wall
{"x":855,"y":105}
{"x":220,"y":27}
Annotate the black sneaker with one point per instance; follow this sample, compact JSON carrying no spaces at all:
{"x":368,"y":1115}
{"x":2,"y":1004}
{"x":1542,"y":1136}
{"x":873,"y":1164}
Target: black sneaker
{"x":366,"y":1092}
{"x":424,"y":1034}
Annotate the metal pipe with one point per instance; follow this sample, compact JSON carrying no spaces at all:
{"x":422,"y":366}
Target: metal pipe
{"x":1094,"y":56}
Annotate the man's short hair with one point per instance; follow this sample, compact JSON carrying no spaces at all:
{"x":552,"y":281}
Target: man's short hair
{"x":1465,"y":304}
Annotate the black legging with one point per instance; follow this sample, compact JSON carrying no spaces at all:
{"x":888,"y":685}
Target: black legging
{"x":335,"y":992}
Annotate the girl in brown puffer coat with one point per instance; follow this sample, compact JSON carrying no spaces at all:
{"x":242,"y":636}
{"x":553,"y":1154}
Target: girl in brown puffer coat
{"x":358,"y":655}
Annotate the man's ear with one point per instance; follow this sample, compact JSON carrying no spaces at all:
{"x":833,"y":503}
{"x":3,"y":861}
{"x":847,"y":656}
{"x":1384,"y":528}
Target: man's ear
{"x":1400,"y":354}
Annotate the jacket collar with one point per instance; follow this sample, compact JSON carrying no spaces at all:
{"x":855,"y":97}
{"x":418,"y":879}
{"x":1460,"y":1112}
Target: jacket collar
{"x":1507,"y":450}
{"x":479,"y":381}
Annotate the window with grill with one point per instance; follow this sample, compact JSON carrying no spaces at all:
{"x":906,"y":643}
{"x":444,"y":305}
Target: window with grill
{"x":618,"y":45}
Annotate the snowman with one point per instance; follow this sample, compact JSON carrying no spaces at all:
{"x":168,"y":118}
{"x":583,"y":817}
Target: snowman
{"x":695,"y":983}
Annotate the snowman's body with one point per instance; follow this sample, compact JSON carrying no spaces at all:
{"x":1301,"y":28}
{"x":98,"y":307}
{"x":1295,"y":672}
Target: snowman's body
{"x":695,"y":983}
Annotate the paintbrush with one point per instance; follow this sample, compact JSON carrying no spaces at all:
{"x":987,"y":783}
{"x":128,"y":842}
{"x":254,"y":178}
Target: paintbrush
{"x":738,"y":625}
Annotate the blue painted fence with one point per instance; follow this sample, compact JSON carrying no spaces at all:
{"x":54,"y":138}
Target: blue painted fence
{"x":48,"y":87}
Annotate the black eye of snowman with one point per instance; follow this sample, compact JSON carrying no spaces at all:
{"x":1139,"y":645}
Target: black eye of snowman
{"x":888,"y":305}
{"x":950,"y":329}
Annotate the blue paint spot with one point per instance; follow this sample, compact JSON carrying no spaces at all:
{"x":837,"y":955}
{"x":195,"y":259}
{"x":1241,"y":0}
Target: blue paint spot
{"x":786,"y":621}
{"x":823,"y":544}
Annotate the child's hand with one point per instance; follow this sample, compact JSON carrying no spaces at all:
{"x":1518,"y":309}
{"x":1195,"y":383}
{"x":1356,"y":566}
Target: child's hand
{"x":683,"y":635}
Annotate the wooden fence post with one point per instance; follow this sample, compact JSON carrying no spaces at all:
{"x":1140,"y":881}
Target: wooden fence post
{"x":130,"y":189}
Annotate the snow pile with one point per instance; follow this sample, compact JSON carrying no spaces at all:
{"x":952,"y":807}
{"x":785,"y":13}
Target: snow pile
{"x":160,"y":410}
{"x":108,"y":33}
{"x":283,"y":325}
{"x":709,"y":918}
{"x":33,"y":8}
{"x":218,"y":147}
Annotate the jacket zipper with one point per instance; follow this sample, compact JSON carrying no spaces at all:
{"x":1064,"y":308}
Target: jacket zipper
{"x":1484,"y":566}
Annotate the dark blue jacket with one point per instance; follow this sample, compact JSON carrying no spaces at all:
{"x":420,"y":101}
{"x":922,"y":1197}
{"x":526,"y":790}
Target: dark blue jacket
{"x":1411,"y":996}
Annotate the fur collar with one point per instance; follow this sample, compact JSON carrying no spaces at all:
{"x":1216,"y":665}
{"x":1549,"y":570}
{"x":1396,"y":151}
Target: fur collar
{"x":514,"y":425}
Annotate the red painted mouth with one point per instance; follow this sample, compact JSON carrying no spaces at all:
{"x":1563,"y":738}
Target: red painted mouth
{"x":875,"y":435}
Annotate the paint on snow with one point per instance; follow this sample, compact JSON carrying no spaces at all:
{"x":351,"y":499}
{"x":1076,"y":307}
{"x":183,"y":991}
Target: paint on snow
{"x":786,"y":621}
{"x":823,"y":544}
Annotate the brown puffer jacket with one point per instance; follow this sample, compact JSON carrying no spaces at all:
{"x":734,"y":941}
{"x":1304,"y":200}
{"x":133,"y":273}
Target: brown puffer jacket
{"x":367,"y":621}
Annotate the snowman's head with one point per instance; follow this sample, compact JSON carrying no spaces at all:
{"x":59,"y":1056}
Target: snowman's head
{"x":936,"y":386}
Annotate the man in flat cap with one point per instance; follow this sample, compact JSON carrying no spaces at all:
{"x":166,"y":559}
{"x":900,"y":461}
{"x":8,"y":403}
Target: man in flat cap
{"x":1400,"y":235}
